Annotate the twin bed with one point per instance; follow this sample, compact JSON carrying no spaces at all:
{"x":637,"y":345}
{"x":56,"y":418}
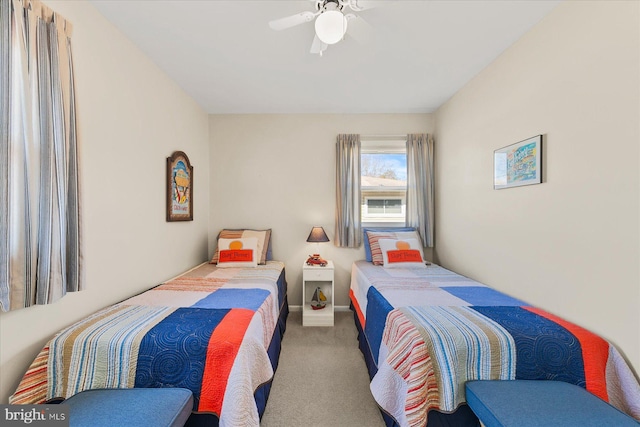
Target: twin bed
{"x":215,"y":330}
{"x":425,"y":331}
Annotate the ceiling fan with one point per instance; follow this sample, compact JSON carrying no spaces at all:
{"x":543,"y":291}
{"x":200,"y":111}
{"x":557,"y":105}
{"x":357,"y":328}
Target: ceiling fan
{"x":331,"y":21}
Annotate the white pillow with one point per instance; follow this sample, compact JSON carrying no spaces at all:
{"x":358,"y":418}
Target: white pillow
{"x":374,"y":236}
{"x":241,"y":252}
{"x":404,"y":253}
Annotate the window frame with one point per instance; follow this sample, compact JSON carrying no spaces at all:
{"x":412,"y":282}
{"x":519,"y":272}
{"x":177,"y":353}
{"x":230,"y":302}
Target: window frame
{"x":383,"y":145}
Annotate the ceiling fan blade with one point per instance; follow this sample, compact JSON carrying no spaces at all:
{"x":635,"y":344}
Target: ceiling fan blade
{"x":359,"y":5}
{"x":358,"y":28}
{"x":318,"y":46}
{"x":291,"y":21}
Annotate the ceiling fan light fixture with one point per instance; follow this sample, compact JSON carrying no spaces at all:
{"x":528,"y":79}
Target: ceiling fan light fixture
{"x":331,"y":26}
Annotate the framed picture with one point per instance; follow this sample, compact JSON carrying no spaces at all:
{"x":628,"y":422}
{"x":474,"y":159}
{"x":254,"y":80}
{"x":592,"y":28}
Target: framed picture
{"x":518,"y":164}
{"x":179,"y":187}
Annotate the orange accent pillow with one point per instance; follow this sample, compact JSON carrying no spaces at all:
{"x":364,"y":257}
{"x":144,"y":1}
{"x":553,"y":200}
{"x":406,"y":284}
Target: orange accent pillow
{"x":263,"y":237}
{"x":375,"y":236}
{"x":406,"y":253}
{"x":237,"y":252}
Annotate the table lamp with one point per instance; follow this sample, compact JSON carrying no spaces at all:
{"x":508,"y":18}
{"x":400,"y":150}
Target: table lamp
{"x":318,"y":236}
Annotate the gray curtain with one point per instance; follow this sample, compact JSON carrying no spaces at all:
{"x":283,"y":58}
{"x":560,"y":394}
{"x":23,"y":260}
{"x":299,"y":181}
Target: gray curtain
{"x":348,"y":200}
{"x":419,"y":210}
{"x":40,"y":236}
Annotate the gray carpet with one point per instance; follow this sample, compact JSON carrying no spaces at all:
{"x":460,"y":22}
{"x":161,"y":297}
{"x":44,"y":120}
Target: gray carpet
{"x":321,"y":379}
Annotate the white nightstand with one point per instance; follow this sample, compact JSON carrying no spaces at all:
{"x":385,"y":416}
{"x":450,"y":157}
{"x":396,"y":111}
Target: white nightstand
{"x":312,"y":277}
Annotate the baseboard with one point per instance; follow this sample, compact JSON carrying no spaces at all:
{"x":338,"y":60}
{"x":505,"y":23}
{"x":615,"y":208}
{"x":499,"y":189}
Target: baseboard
{"x":336,"y":308}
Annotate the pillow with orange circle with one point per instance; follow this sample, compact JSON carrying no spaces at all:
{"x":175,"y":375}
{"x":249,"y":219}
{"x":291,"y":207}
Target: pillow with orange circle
{"x":374,"y":248}
{"x":238,"y":252}
{"x":406,"y":253}
{"x":264,"y":242}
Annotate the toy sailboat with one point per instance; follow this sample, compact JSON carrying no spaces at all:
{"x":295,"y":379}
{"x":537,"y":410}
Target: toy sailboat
{"x":318,"y":300}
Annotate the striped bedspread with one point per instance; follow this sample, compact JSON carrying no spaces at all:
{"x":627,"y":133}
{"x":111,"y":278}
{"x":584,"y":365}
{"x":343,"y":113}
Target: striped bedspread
{"x":207,"y":330}
{"x":431,"y":330}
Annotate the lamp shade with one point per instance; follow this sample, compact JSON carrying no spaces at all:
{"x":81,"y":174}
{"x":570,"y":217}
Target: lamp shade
{"x":317,"y":235}
{"x":331,"y":26}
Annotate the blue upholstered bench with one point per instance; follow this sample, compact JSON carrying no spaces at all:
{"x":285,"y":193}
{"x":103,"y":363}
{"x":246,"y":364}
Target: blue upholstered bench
{"x":522,"y":403}
{"x":136,"y":407}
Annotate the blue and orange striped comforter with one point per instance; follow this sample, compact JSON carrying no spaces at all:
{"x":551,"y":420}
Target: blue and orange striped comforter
{"x":431,"y":330}
{"x":208,"y":331}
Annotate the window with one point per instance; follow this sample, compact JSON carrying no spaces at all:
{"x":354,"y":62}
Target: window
{"x":387,"y":207}
{"x":383,"y":181}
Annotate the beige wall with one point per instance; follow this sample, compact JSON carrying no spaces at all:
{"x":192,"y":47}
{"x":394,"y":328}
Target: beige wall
{"x":570,"y":245}
{"x":131,"y":117}
{"x":278,"y":171}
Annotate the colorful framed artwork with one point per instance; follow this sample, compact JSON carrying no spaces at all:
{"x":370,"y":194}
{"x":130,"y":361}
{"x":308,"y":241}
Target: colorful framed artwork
{"x":179,"y":187}
{"x":518,"y":164}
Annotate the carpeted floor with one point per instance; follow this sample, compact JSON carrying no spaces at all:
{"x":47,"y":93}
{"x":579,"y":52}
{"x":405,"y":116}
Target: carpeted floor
{"x":321,"y":379}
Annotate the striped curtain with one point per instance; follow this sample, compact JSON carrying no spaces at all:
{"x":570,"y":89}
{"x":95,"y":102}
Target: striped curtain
{"x":348,"y":220}
{"x":40,"y":245}
{"x":419,"y":210}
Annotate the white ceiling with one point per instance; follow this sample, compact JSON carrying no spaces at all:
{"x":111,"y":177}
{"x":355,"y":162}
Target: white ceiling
{"x":226,"y":57}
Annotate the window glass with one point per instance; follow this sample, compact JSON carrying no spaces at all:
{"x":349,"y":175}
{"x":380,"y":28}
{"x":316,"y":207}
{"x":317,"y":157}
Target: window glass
{"x":383,"y":181}
{"x":375,"y":206}
{"x":393,"y":206}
